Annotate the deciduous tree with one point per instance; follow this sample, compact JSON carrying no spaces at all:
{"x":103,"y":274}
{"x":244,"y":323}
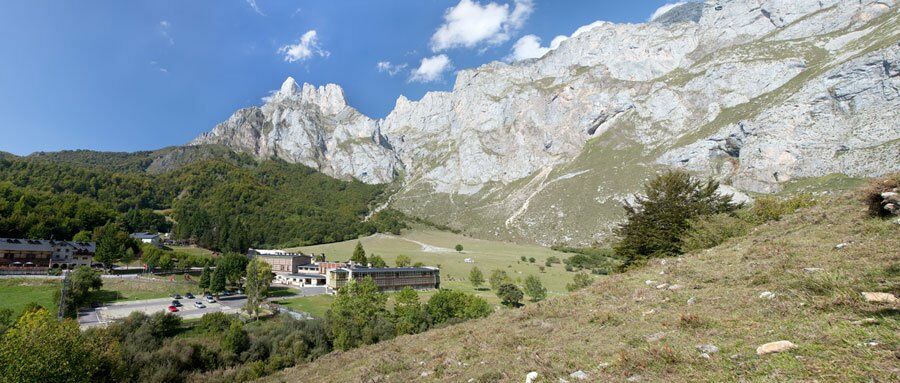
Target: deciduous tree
{"x":476,"y":277}
{"x":535,"y":289}
{"x":259,"y":277}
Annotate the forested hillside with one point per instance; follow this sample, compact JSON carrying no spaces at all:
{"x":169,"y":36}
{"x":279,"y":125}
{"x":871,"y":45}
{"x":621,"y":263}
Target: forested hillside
{"x":222,"y":201}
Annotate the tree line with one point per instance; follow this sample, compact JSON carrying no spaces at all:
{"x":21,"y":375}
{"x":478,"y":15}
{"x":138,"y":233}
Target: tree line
{"x":220,"y":203}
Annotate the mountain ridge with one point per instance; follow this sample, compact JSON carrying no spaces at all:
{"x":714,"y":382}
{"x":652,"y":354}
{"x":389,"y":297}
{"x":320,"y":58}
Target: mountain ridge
{"x":755,"y":94}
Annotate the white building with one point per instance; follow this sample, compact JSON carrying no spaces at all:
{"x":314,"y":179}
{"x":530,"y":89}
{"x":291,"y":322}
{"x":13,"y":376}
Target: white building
{"x":300,"y":279}
{"x":148,"y":238}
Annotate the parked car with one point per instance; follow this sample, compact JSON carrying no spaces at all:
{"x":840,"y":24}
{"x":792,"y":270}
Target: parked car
{"x":176,"y":303}
{"x":210,"y":299}
{"x":227,"y":293}
{"x":239,"y":292}
{"x":199,"y":305}
{"x":189,"y":296}
{"x":173,"y":309}
{"x":176,"y":296}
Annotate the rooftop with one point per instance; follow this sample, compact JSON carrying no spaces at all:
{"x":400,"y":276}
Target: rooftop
{"x":143,"y":235}
{"x":13,"y":244}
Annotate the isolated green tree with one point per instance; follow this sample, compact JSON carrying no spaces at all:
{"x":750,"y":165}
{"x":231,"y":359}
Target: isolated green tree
{"x":498,"y":278}
{"x":403,"y":261}
{"x":205,"y":277}
{"x":256,"y":287}
{"x":476,"y":277}
{"x":459,"y":248}
{"x":409,"y":314}
{"x":355,"y":312}
{"x":580,"y":281}
{"x":377,"y":261}
{"x":656,"y":221}
{"x":359,"y":255}
{"x":535,"y":289}
{"x":81,"y":282}
{"x":510,"y":295}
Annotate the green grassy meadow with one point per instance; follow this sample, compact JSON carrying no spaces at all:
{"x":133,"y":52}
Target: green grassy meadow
{"x":15,"y":293}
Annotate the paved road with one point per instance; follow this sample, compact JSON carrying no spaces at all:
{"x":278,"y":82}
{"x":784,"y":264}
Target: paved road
{"x":105,"y":314}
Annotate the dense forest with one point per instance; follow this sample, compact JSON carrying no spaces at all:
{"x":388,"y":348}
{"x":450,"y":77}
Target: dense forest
{"x":222,"y":201}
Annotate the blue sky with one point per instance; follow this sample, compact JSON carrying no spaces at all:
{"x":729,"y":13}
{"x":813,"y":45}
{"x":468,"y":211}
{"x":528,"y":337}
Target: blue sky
{"x":144,"y":74}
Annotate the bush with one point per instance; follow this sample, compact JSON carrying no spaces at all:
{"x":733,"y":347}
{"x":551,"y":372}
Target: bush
{"x":580,"y":281}
{"x":770,"y":208}
{"x":510,"y":295}
{"x":710,"y":231}
{"x":451,"y":306}
{"x":655,"y":222}
{"x":216,"y":322}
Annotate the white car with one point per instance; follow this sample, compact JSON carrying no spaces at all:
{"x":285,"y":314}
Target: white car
{"x":210,"y":299}
{"x":199,"y":305}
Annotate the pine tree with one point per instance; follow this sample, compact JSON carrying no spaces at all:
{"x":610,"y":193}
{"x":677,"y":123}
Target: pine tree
{"x":217,"y":282}
{"x":205,"y":277}
{"x":359,"y":255}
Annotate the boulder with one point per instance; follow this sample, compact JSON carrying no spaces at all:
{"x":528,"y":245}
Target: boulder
{"x":531,"y":377}
{"x":775,"y":347}
{"x":580,"y":375}
{"x":708,"y":348}
{"x":879,"y":297}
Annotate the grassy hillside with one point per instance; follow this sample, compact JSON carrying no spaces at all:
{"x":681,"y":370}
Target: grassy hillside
{"x":625,"y":328}
{"x":433,"y":247}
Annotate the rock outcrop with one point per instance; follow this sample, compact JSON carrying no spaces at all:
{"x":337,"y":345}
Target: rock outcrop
{"x":755,"y":93}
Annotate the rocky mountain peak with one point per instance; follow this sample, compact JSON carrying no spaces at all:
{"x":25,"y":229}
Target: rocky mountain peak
{"x":755,"y":93}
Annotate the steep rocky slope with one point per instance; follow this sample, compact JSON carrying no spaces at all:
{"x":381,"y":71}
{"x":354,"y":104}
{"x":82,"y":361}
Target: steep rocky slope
{"x":755,"y":93}
{"x":784,"y":281}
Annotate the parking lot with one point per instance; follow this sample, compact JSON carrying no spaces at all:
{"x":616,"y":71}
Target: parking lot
{"x":104,"y":314}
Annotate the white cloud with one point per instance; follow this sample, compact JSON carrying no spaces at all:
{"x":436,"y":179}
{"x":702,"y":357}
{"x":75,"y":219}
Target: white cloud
{"x":156,"y":65}
{"x":307,"y":47}
{"x":255,"y":7}
{"x":529,"y":47}
{"x":469,"y":23}
{"x":164,"y":31}
{"x":390,"y":68}
{"x":431,"y":69}
{"x":665,"y":8}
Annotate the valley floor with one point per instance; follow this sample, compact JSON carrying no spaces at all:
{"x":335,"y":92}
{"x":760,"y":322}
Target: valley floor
{"x":646,"y":325}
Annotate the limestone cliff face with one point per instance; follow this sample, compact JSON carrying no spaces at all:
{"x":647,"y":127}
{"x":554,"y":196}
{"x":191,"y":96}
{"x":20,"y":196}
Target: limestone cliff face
{"x":754,"y":92}
{"x":311,"y":126}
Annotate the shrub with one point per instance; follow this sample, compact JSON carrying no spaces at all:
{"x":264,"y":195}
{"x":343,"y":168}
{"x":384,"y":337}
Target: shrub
{"x":510,"y":295}
{"x":216,"y":322}
{"x":710,"y":231}
{"x":656,"y":221}
{"x":449,"y":306}
{"x":770,"y":208}
{"x":580,"y":281}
